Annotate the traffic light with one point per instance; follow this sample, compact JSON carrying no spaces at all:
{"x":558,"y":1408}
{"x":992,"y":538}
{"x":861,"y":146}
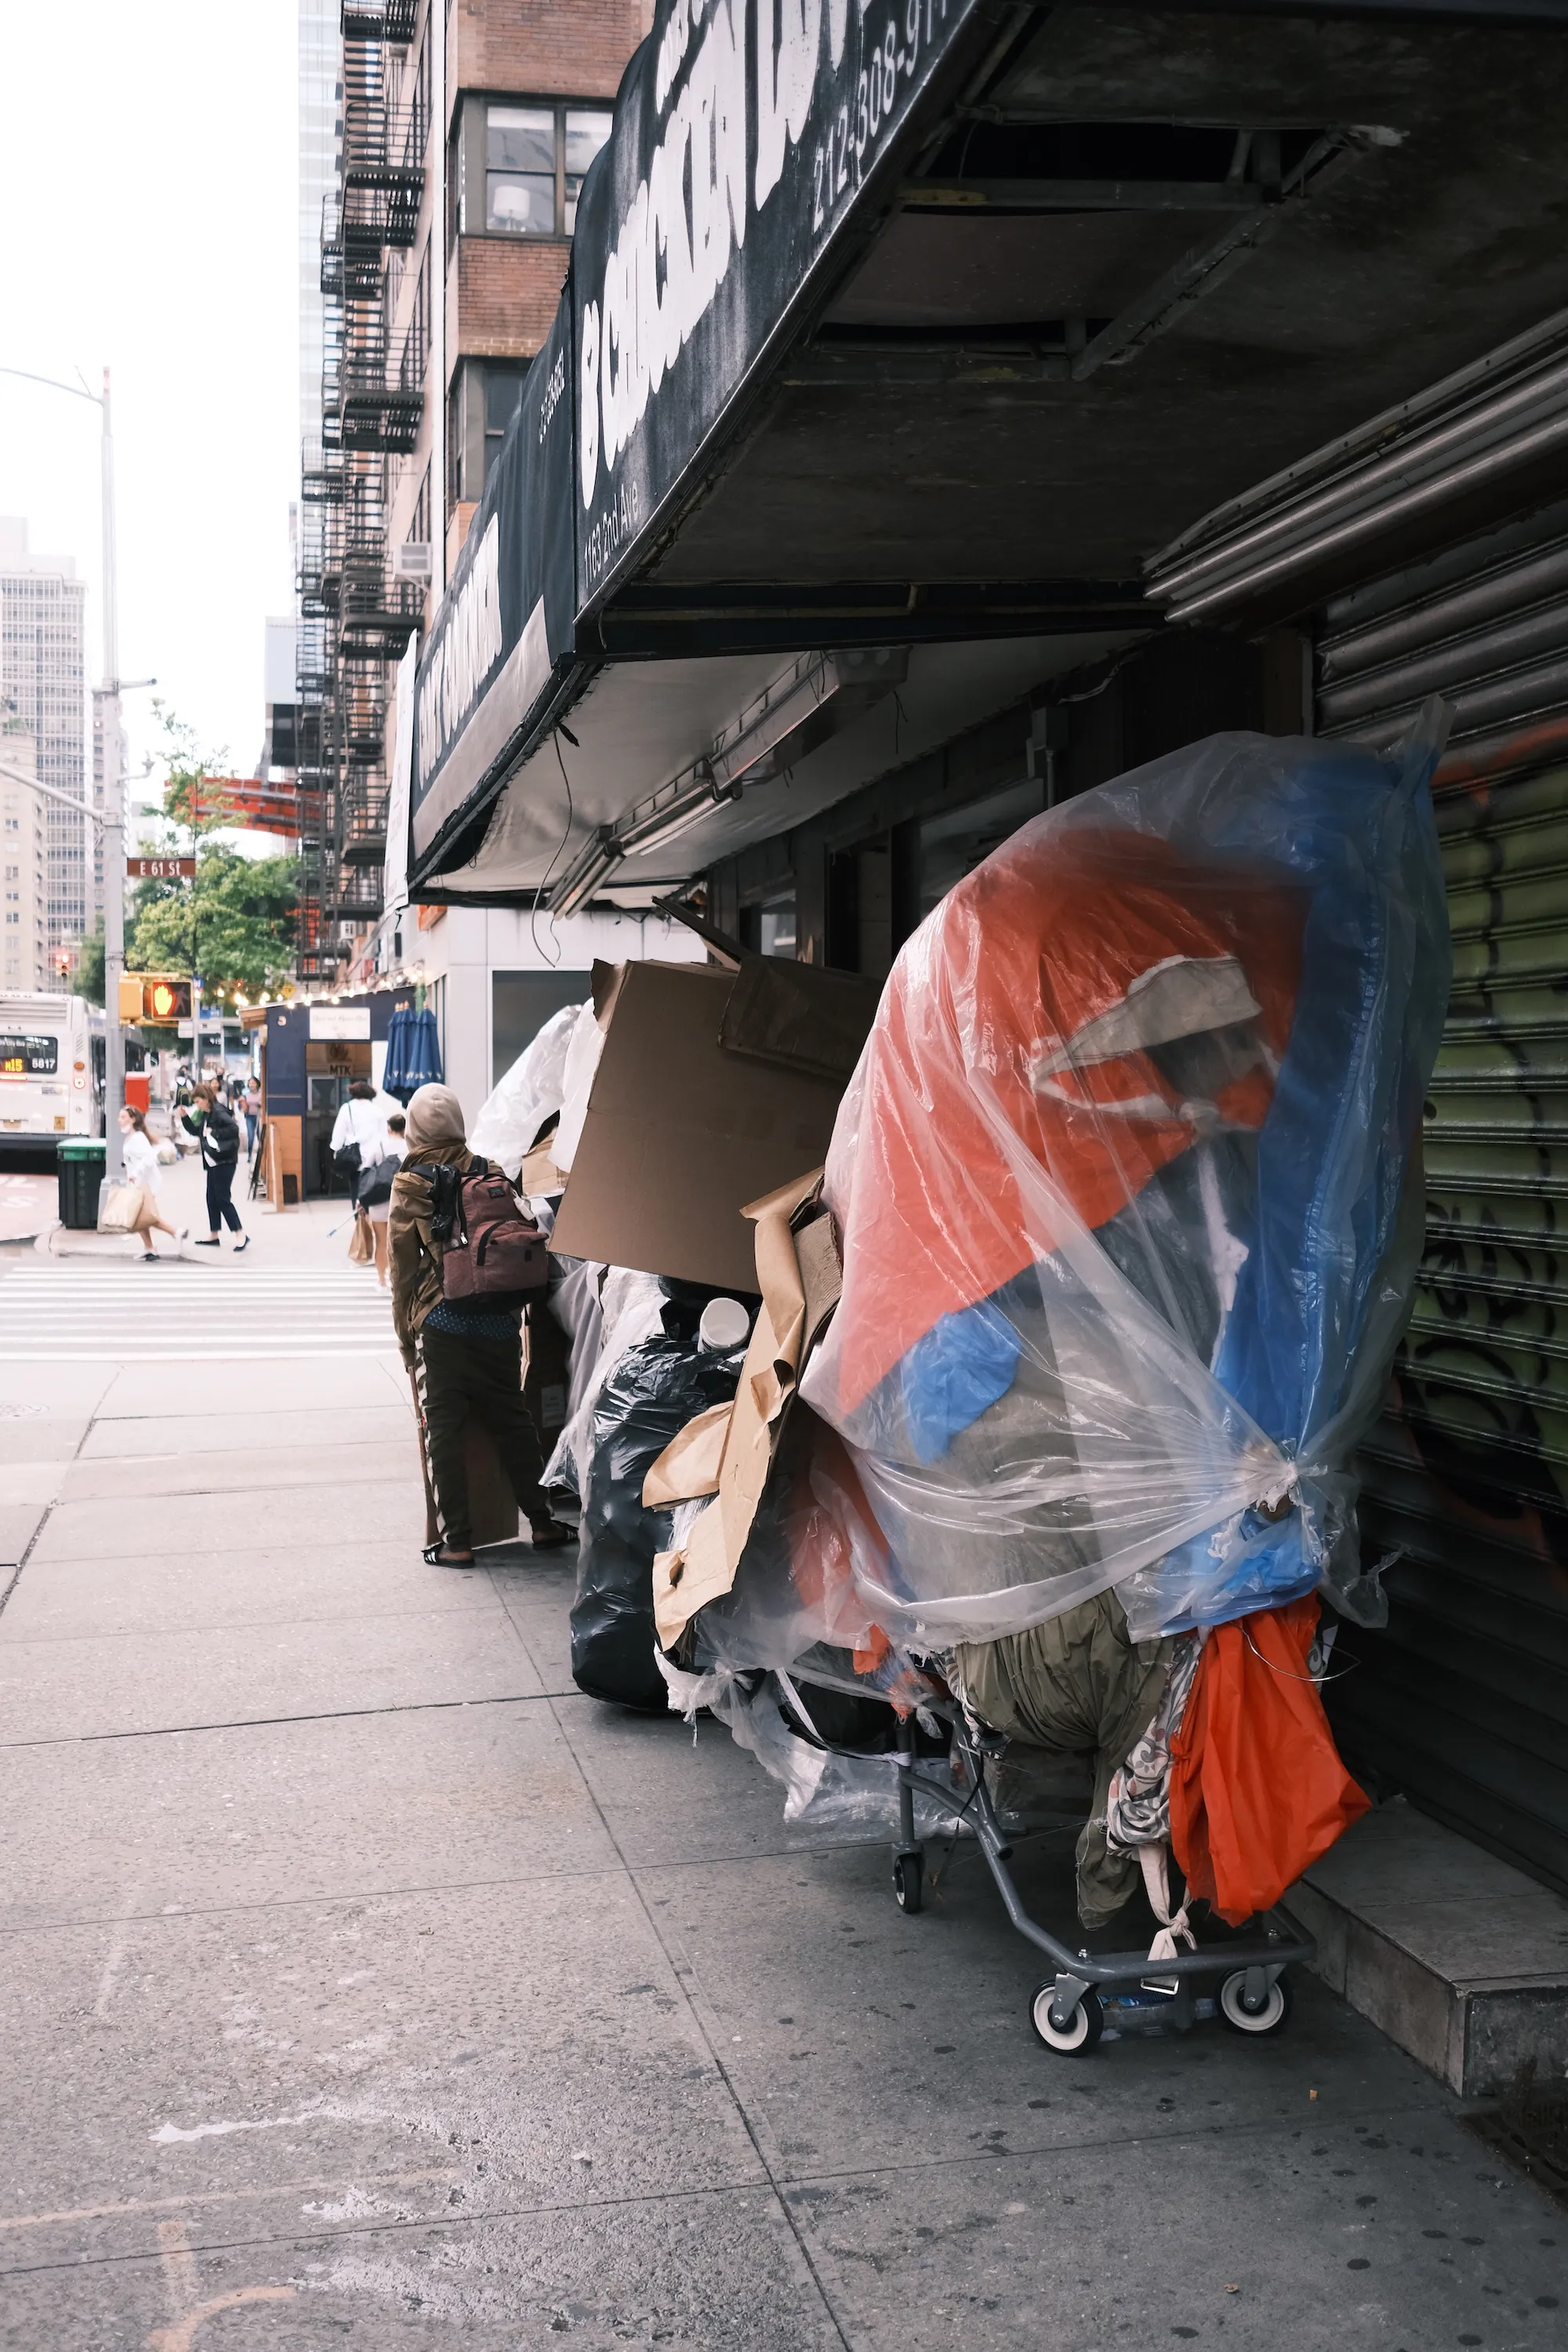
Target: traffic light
{"x":158,"y":997}
{"x":164,"y":1001}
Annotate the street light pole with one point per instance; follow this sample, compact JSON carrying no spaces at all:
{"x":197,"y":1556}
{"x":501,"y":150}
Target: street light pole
{"x":114,"y":823}
{"x":114,"y":819}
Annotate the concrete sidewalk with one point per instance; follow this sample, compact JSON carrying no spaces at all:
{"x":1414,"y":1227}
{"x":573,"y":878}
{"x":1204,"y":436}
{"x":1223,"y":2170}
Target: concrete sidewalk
{"x":365,"y":1984}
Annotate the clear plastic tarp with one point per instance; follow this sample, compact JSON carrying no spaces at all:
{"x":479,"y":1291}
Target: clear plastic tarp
{"x":1124,"y":1185}
{"x":531,"y":1091}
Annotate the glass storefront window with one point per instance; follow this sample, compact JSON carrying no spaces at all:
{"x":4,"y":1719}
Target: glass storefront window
{"x":776,"y":927}
{"x":953,"y":845}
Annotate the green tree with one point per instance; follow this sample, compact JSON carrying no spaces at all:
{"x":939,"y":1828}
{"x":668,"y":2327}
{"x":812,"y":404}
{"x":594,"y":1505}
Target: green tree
{"x":88,"y":977}
{"x":235,"y":923}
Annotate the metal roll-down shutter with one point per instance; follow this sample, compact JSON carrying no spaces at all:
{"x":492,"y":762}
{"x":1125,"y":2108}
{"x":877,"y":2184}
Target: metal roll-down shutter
{"x":1463,"y":1701}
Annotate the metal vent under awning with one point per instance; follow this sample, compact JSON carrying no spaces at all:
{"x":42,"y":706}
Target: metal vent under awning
{"x":1463,"y":1701}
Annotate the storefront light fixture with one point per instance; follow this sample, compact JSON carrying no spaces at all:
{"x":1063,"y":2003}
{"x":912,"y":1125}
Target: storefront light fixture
{"x":795,"y":713}
{"x":595,"y":862}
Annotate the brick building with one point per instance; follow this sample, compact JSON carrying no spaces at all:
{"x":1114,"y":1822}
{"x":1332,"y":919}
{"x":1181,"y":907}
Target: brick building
{"x":462,"y":135}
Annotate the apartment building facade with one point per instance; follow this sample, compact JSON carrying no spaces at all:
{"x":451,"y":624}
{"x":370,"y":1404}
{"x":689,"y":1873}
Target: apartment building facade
{"x":43,"y":682}
{"x":23,"y":861}
{"x":463,"y":134}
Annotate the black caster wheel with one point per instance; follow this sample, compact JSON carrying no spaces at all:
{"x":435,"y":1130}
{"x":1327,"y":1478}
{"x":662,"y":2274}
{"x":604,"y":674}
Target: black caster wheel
{"x":908,"y":1877}
{"x":1271,"y":2015}
{"x":1083,"y":2028}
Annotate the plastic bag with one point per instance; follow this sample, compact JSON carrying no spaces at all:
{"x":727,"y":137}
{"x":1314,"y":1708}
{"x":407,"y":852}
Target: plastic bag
{"x":1119,"y":1178}
{"x":1257,"y":1790}
{"x":827,"y":1789}
{"x":652,"y":1391}
{"x":584,"y":1049}
{"x":630,"y":1309}
{"x":531,"y":1092}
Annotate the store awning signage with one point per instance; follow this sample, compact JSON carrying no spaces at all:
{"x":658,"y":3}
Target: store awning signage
{"x":744,"y":130}
{"x":506,"y":619}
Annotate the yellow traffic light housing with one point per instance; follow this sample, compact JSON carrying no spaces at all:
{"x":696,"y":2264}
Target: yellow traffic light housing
{"x":160,"y":998}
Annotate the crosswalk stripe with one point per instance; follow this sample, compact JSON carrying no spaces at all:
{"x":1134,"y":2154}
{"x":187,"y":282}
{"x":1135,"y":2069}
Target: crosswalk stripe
{"x":129,"y":1314}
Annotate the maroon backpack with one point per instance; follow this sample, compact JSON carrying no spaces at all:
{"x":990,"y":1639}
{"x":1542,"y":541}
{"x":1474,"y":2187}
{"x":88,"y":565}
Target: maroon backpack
{"x":493,"y":1249}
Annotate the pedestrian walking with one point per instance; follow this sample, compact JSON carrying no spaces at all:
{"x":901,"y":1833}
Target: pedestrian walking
{"x":375,"y":1189}
{"x":359,"y":1134}
{"x":252,"y":1108}
{"x":465,"y":1358}
{"x":217,"y":1131}
{"x":143,"y":1167}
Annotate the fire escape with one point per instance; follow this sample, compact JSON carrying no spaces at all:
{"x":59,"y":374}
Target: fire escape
{"x":354,"y":618}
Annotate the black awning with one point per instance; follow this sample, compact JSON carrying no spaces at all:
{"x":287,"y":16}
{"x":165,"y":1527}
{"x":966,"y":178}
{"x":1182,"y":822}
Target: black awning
{"x":501,"y":642}
{"x":918,"y":324}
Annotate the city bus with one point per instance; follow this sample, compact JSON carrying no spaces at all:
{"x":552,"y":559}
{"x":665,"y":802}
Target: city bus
{"x":51,"y":1068}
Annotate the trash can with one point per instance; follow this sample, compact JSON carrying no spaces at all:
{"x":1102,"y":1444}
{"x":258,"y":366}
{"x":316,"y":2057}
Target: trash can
{"x":82,"y":1160}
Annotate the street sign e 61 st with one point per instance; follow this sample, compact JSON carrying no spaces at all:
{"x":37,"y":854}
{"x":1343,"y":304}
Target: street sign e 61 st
{"x":159,"y":869}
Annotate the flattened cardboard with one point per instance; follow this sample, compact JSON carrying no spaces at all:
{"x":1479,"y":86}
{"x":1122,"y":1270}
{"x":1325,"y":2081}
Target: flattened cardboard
{"x":799,"y":1272}
{"x":688,"y":1466}
{"x":539,"y":1179}
{"x":799,"y":1017}
{"x":679,"y":1134}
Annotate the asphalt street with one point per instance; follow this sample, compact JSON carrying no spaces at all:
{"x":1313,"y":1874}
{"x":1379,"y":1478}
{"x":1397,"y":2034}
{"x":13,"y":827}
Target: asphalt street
{"x":366,"y":1984}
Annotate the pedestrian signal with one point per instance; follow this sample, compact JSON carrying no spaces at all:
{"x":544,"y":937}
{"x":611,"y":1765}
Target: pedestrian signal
{"x":165,"y":1001}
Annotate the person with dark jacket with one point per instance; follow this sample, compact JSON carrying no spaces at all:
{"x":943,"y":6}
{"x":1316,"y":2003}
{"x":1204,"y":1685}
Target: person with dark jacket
{"x":218,"y":1131}
{"x":465,"y":1358}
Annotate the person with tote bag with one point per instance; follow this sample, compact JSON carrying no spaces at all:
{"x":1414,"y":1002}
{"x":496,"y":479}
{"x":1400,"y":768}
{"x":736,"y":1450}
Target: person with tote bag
{"x":374,"y":1195}
{"x":143,"y":1176}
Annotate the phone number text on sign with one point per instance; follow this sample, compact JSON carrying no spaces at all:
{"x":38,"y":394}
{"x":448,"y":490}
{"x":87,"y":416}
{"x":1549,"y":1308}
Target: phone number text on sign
{"x":838,"y":160}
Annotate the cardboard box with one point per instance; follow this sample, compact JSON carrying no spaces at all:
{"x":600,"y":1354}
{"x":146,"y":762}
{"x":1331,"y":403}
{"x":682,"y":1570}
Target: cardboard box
{"x":730,"y":1450}
{"x":683,"y":1127}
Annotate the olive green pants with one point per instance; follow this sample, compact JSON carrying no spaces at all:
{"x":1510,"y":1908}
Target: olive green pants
{"x":455,"y":1377}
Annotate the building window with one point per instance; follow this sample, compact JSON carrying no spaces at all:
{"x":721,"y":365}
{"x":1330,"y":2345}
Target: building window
{"x":485,"y":399}
{"x":768,"y":925}
{"x":953,"y":844}
{"x":523,"y":161}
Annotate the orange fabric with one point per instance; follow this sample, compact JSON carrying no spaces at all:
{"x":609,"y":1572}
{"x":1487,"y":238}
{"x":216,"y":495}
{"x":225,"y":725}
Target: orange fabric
{"x":820,"y":1560}
{"x":1258,"y":1789}
{"x":1047,"y":935}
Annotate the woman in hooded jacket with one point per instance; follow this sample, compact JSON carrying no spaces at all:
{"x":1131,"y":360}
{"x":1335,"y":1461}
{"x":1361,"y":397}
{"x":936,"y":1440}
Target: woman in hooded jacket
{"x":466,"y":1358}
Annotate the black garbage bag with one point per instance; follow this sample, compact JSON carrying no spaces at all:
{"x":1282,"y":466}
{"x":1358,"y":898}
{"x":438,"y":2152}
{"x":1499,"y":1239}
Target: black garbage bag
{"x":656,"y":1388}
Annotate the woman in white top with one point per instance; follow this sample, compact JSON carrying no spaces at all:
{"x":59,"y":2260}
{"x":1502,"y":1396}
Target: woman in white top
{"x":360,"y":1121}
{"x":380,"y":1202}
{"x":143,"y":1167}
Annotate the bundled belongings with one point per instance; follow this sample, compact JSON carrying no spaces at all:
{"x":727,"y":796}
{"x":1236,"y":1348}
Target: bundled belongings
{"x":1120,"y":1179}
{"x":1127,"y":1189}
{"x":656,"y":1386}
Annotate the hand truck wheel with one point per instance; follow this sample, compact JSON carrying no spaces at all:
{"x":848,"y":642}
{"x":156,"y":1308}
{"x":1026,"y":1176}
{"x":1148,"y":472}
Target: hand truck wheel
{"x":908,"y":1877}
{"x":1083,"y":2028}
{"x":1269,"y":2013}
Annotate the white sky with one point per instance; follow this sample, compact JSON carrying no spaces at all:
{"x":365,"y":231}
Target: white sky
{"x":147,"y":195}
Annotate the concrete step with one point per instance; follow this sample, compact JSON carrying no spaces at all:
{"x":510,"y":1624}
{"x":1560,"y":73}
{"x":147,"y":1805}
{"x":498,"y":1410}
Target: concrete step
{"x":1459,"y":1957}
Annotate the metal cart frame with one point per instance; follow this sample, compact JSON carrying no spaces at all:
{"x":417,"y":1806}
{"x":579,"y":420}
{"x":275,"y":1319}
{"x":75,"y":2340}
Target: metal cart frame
{"x":1065,"y":2010}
